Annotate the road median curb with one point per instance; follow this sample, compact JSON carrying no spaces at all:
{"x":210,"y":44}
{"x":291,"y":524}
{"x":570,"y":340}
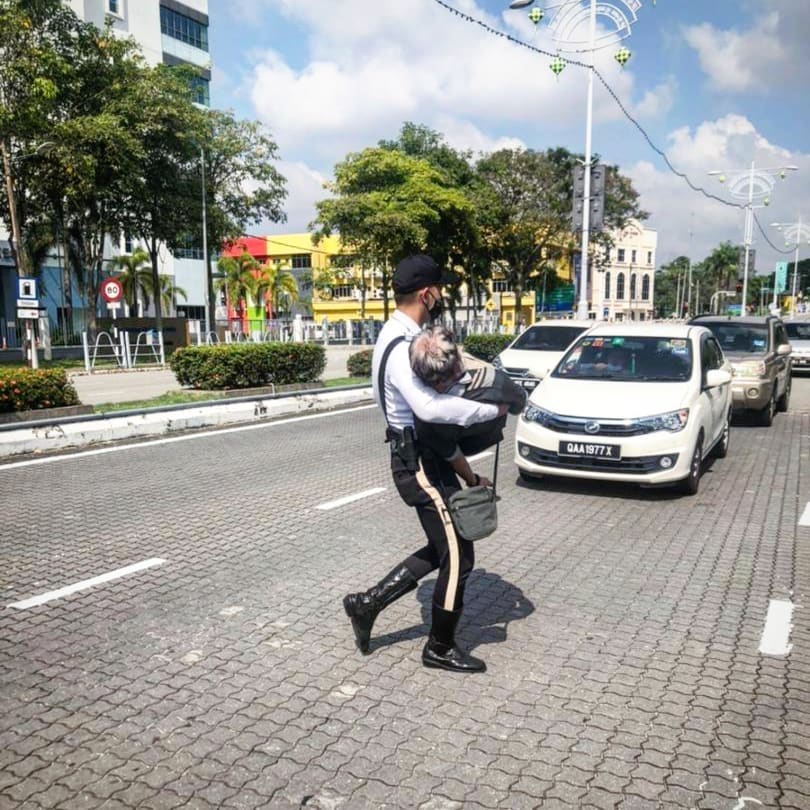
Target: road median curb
{"x":77,"y":431}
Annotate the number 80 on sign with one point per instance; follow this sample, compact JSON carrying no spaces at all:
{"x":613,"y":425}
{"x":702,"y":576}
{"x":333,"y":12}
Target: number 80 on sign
{"x":111,"y":290}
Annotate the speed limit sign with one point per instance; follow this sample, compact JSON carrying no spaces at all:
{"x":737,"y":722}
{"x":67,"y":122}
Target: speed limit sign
{"x":111,"y":290}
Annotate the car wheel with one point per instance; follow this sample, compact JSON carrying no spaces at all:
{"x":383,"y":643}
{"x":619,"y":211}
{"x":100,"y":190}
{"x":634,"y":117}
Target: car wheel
{"x":784,"y":400}
{"x":691,"y":483}
{"x":721,"y":448}
{"x":767,"y":414}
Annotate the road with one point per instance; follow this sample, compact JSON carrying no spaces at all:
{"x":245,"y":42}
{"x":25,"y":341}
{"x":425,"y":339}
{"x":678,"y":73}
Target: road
{"x":622,"y":630}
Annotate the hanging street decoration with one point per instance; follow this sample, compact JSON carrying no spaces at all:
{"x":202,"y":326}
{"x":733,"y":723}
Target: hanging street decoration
{"x":535,"y":15}
{"x":623,"y":56}
{"x":557,"y":66}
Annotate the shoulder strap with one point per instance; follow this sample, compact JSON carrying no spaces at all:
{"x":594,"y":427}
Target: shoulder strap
{"x":381,"y":373}
{"x":495,"y":469}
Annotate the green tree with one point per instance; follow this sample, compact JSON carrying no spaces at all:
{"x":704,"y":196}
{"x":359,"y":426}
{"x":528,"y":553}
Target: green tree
{"x":277,"y":284}
{"x":239,"y":280}
{"x":168,"y":293}
{"x":135,"y":275}
{"x":387,"y":205}
{"x":670,"y":280}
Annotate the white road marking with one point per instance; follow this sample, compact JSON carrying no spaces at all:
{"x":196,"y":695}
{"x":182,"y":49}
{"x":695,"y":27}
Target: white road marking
{"x":804,"y":520}
{"x":203,"y":435}
{"x":350,"y":498}
{"x":479,"y":456}
{"x":778,"y":624}
{"x":87,"y":583}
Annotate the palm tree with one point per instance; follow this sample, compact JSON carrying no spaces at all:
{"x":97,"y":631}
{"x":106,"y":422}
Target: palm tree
{"x":135,"y":278}
{"x":238,"y":281}
{"x":169,"y":292}
{"x":276,"y":283}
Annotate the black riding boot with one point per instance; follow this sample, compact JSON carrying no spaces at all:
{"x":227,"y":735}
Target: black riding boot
{"x":441,"y":650}
{"x":363,"y":608}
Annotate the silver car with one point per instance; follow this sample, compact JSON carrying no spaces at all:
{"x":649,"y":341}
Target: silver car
{"x":799,"y":334}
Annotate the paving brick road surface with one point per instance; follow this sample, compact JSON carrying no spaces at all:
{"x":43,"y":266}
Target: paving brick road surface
{"x":621,"y":629}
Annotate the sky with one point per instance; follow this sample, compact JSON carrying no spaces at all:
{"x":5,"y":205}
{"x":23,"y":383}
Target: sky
{"x":715,"y":84}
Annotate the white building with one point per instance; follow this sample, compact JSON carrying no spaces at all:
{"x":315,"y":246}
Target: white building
{"x":172,"y":33}
{"x":625,"y":284}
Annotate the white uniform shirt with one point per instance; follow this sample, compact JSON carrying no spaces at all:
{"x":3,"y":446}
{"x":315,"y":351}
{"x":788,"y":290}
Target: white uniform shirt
{"x":405,"y":394}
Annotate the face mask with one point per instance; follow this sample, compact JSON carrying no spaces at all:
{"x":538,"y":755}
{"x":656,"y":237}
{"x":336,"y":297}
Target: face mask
{"x":434,"y":312}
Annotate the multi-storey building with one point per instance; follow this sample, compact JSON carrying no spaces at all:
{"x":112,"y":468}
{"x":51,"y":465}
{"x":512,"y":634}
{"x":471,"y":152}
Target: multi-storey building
{"x":625,"y":284}
{"x":171,"y":33}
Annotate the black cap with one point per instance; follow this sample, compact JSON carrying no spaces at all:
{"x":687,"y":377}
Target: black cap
{"x":416,"y":272}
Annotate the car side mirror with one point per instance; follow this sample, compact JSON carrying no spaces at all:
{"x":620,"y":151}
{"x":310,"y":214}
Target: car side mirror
{"x":716,"y":377}
{"x":784,"y":349}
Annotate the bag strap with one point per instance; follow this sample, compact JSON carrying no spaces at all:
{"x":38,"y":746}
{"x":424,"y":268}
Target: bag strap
{"x":381,"y":373}
{"x":495,"y":469}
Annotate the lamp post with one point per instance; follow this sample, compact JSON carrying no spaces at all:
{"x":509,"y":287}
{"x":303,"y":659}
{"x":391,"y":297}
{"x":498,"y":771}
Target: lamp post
{"x":751,"y":185}
{"x":727,"y":293}
{"x":565,"y":18}
{"x":794,"y":233}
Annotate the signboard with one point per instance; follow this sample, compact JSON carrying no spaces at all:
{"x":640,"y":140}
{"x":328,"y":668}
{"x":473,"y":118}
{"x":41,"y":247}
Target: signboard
{"x":27,"y":289}
{"x":781,"y":276}
{"x":560,"y":299}
{"x":734,"y":309}
{"x":28,"y":314}
{"x":111,"y":290}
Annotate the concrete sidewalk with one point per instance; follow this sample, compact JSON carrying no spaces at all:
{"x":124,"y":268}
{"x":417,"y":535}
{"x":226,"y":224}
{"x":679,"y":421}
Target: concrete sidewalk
{"x":104,"y":387}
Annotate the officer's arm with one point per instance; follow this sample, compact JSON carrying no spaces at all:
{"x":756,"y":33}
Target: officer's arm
{"x":429,"y":405}
{"x":462,"y":467}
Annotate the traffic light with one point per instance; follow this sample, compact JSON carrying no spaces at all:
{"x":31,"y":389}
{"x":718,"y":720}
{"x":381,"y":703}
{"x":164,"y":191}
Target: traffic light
{"x":739,"y":286}
{"x":597,"y":197}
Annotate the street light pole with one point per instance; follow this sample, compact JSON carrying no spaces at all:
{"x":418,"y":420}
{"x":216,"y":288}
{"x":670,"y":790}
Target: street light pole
{"x":748,"y":185}
{"x":794,"y":233}
{"x":582,"y":310}
{"x":209,"y":289}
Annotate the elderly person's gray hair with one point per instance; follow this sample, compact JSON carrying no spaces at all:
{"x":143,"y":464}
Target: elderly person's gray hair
{"x":435,"y":358}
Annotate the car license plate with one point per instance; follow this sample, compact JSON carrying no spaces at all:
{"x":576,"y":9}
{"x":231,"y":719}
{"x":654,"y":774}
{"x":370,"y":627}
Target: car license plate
{"x":530,"y":384}
{"x":609,"y":452}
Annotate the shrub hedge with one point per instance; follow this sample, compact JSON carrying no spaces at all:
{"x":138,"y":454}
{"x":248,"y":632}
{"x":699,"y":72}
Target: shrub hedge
{"x":487,"y":347}
{"x":248,"y":365}
{"x":27,"y":389}
{"x":359,"y":364}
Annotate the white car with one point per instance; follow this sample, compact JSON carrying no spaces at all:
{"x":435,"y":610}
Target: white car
{"x":644,"y":404}
{"x":533,"y":353}
{"x":798,"y":333}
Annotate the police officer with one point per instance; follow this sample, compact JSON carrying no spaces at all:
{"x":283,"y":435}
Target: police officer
{"x":417,"y":283}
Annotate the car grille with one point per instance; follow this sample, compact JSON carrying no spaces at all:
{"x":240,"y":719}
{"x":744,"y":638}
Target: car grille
{"x":576,"y":424}
{"x":632,"y":466}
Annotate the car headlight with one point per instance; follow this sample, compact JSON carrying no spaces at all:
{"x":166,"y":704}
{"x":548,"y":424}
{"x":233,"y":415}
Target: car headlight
{"x":748,"y":368}
{"x":498,"y":363}
{"x":531,"y":413}
{"x":672,"y":421}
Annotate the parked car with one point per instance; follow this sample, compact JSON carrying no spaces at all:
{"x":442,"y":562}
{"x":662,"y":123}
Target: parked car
{"x":759,"y":352}
{"x":798,"y":333}
{"x":533,"y":353}
{"x":644,"y":403}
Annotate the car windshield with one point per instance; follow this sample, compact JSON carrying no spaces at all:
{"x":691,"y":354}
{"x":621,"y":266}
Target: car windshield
{"x":798,"y":331}
{"x":740,"y":338}
{"x":628,"y":358}
{"x":548,"y":338}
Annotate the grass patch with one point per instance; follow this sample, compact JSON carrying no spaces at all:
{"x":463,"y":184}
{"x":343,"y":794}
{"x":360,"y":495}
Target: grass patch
{"x":187,"y":397}
{"x":77,"y":363}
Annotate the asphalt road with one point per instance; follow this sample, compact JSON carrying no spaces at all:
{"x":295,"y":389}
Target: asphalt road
{"x":622,"y":630}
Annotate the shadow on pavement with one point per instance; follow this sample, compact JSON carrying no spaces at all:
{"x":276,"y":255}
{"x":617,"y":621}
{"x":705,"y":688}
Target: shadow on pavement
{"x":490,"y":603}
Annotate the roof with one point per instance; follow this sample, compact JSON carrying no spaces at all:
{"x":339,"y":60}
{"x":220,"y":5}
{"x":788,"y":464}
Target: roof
{"x":562,"y":322}
{"x":749,"y":319}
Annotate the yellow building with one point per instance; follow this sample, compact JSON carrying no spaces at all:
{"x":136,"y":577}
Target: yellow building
{"x":337,"y":291}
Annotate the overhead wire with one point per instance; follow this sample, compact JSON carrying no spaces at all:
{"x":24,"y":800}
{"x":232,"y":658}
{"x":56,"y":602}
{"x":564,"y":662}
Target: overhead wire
{"x":577,"y":63}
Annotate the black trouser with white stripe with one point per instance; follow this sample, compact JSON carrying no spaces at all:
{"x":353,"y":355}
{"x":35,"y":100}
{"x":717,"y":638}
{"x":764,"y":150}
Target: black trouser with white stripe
{"x":426,"y":490}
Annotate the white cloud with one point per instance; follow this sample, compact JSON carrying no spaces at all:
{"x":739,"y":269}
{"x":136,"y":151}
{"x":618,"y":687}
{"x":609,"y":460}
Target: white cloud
{"x":658,"y":101}
{"x":771,"y":51}
{"x":724,"y":144}
{"x":305,"y":187}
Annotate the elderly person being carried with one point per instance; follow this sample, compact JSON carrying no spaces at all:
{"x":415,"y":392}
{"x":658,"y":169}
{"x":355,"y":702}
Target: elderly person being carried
{"x":436,"y":360}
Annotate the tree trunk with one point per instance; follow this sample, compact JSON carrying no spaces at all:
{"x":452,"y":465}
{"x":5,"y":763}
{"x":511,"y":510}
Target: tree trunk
{"x":153,"y":256}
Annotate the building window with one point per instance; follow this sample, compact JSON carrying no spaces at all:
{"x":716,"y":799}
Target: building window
{"x":342,"y":291}
{"x":128,"y":244}
{"x":645,"y":288}
{"x":633,"y":256}
{"x":188,"y":249}
{"x":302,"y":261}
{"x":607,"y":284}
{"x":500,"y":285}
{"x":649,"y":257}
{"x":633,"y":287}
{"x":114,"y":7}
{"x":178,"y":26}
{"x":620,"y":287}
{"x":200,"y":91}
{"x":621,"y":255}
